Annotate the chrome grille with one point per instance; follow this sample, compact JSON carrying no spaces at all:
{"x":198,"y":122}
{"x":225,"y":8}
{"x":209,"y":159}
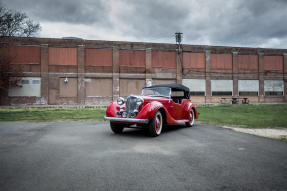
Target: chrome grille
{"x":131,"y":105}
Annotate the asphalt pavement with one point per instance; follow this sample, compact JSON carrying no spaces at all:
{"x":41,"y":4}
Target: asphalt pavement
{"x":67,"y":156}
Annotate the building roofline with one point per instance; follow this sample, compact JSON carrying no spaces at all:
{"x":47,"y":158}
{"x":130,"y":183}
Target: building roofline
{"x":132,"y":45}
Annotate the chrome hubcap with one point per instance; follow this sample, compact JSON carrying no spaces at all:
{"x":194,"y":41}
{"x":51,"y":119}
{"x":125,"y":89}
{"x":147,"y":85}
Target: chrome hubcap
{"x":191,"y":116}
{"x":158,"y":123}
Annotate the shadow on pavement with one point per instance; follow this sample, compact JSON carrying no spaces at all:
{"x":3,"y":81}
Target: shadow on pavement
{"x":136,"y":132}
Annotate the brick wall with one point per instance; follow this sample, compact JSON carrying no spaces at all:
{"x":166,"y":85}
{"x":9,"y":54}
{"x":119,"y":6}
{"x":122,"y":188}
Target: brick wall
{"x":100,"y":71}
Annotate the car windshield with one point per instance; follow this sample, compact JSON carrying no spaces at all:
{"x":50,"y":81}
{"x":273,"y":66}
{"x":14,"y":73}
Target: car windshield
{"x":156,"y":92}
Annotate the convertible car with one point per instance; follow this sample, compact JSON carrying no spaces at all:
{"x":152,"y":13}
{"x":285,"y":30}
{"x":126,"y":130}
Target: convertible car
{"x":157,"y":106}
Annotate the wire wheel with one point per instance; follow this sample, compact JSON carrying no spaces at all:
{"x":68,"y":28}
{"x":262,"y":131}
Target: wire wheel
{"x":155,"y":126}
{"x":191,"y":119}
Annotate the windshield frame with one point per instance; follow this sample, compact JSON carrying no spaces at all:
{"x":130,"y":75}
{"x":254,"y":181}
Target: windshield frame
{"x":169,"y":94}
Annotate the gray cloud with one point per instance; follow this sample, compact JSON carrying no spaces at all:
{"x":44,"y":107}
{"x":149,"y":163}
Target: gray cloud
{"x":78,"y":12}
{"x":155,"y":18}
{"x":214,"y":22}
{"x":257,"y":21}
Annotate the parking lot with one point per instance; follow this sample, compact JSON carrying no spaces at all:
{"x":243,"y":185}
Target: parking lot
{"x":88,"y":156}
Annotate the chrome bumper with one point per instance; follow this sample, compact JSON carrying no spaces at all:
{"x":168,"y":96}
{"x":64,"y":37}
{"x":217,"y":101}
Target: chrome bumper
{"x":130,"y":120}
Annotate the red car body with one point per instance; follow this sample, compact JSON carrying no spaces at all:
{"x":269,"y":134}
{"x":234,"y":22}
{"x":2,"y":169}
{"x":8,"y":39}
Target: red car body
{"x":169,"y":110}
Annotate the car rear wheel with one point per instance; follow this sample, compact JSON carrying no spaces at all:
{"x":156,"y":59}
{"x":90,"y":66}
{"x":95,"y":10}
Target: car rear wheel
{"x":191,"y":119}
{"x":116,"y":128}
{"x":155,"y":126}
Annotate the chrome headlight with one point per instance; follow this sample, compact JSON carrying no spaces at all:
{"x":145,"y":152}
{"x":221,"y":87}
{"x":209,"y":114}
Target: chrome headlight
{"x":120,"y":101}
{"x":139,"y":101}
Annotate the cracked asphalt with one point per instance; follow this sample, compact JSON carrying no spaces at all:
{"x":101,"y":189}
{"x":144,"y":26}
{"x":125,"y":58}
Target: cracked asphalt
{"x":88,"y":156}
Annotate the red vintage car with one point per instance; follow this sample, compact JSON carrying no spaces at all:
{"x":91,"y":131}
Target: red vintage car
{"x":156,"y":107}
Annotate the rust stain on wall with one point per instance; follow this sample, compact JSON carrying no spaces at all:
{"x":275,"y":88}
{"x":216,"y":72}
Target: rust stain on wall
{"x":133,"y":58}
{"x":158,"y":82}
{"x":25,"y":54}
{"x":98,"y":87}
{"x":98,"y":69}
{"x":70,"y":88}
{"x":128,"y":69}
{"x":98,"y":57}
{"x":248,"y":62}
{"x":128,"y":86}
{"x":25,"y":67}
{"x":273,"y":63}
{"x":221,"y":61}
{"x":163,"y":59}
{"x":62,"y":56}
{"x":62,"y":68}
{"x":193,"y":60}
{"x":52,"y":96}
{"x":105,"y":100}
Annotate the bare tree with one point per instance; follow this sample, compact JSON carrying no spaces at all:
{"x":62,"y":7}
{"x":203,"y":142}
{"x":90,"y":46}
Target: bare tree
{"x":10,"y":74}
{"x":16,"y":24}
{"x":12,"y":24}
{"x":7,"y":70}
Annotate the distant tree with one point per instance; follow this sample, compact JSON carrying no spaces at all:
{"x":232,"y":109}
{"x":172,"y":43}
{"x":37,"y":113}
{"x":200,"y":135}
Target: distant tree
{"x":14,"y":23}
{"x":5,"y":67}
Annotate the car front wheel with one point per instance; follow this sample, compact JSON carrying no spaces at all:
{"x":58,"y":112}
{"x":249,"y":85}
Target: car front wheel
{"x":155,"y":126}
{"x":116,"y":128}
{"x":191,"y":119}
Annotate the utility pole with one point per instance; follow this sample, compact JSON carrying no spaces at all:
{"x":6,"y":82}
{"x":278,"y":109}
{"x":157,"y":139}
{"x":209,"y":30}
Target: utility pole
{"x":179,"y":65}
{"x":178,"y":39}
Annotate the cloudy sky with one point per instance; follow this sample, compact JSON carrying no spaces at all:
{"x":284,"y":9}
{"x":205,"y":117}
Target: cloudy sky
{"x":248,"y":23}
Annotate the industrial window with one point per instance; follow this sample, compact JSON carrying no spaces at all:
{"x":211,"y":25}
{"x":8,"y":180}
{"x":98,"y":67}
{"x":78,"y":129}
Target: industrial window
{"x":26,"y":87}
{"x":197,"y":93}
{"x":277,"y":93}
{"x":36,"y":82}
{"x":248,"y":87}
{"x":222,"y":87}
{"x":273,"y":87}
{"x":25,"y":82}
{"x":196,"y":86}
{"x":242,"y":93}
{"x":222,"y":93}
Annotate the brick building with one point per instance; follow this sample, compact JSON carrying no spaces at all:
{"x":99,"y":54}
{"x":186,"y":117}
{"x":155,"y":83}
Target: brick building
{"x":89,"y":72}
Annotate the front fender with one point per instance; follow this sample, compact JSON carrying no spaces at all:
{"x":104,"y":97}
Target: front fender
{"x":149,"y":110}
{"x":112,"y":110}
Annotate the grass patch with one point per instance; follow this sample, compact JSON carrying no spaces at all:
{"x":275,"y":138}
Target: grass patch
{"x":255,"y":116}
{"x":52,"y":114}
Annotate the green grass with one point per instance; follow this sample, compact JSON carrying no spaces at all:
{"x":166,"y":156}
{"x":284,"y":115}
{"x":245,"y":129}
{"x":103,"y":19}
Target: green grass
{"x":255,"y":116}
{"x":52,"y":114}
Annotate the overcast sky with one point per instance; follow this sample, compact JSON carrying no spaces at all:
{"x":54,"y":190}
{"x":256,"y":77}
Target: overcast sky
{"x":247,"y":23}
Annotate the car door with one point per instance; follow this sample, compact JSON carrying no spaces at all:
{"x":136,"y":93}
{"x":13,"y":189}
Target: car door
{"x":175,"y":106}
{"x":175,"y":110}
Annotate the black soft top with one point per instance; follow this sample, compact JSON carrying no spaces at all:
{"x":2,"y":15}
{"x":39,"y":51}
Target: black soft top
{"x":174,"y":87}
